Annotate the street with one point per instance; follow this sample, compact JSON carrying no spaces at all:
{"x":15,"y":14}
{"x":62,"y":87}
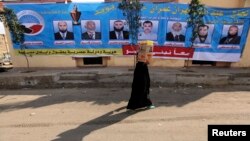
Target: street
{"x":99,"y":114}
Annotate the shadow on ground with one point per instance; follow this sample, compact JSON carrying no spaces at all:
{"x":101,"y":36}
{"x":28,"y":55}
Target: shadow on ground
{"x":172,"y":96}
{"x":108,"y":119}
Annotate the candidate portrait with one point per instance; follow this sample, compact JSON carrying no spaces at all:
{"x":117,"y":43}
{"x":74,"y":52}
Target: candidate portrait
{"x":63,"y":30}
{"x":148,"y":30}
{"x":231,"y":34}
{"x":118,"y":30}
{"x":204,"y":35}
{"x":91,"y":30}
{"x":176,"y":31}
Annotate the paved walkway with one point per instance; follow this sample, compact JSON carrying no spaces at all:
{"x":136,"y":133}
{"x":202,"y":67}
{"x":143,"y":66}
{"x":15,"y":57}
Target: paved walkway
{"x":120,"y":77}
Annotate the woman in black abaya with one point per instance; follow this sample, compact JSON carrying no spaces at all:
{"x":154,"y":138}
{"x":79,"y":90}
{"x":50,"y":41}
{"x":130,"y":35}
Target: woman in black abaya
{"x":140,"y":88}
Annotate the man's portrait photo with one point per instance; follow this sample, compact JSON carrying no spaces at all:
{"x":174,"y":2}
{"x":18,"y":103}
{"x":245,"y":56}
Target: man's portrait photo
{"x":149,"y":30}
{"x":176,"y":31}
{"x":91,"y":30}
{"x":205,"y":32}
{"x":231,"y":34}
{"x":63,"y":30}
{"x":118,"y":30}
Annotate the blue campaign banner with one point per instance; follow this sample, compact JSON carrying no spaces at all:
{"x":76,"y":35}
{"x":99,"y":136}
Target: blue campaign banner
{"x":79,"y":26}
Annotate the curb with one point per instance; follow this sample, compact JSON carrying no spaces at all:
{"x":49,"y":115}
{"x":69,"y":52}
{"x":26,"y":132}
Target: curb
{"x":105,"y":80}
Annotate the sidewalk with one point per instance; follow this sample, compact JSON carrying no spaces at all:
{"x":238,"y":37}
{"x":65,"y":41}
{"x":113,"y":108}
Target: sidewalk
{"x":120,"y":77}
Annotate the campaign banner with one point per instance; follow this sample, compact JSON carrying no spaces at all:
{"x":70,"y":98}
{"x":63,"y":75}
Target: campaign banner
{"x":97,"y":26}
{"x":167,"y":52}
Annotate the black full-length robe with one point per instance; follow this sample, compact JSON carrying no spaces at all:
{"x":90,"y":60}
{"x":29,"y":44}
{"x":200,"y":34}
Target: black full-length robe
{"x":140,"y":88}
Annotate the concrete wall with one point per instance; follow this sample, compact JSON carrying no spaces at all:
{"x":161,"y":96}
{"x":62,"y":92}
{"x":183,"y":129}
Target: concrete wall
{"x":3,"y":45}
{"x":247,"y":3}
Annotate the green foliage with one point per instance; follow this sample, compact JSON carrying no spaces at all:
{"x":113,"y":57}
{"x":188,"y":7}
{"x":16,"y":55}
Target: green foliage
{"x":130,"y":5}
{"x":196,"y":13}
{"x":10,"y":20}
{"x":132,"y":11}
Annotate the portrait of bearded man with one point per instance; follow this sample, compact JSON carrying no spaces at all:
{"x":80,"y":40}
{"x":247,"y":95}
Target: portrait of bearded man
{"x":118,"y":33}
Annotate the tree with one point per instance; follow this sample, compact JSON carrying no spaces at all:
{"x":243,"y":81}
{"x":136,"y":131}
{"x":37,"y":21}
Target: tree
{"x":16,"y":29}
{"x":132,"y":10}
{"x":10,"y":20}
{"x":196,"y":13}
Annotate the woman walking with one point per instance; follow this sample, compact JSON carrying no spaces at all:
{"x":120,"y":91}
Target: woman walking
{"x":141,"y":81}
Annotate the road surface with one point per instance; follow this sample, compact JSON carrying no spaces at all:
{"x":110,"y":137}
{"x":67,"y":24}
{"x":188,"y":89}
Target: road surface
{"x":99,"y":114}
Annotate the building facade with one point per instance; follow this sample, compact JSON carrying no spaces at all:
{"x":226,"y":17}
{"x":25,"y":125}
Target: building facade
{"x":82,"y":61}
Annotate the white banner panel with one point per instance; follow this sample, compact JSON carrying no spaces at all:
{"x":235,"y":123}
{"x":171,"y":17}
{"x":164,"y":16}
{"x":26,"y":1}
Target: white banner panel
{"x":2,"y":30}
{"x":224,"y":57}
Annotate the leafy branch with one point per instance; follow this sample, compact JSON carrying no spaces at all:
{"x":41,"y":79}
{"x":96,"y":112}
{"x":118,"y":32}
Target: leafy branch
{"x":196,"y":13}
{"x":16,"y":29}
{"x":10,"y":20}
{"x":132,"y":11}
